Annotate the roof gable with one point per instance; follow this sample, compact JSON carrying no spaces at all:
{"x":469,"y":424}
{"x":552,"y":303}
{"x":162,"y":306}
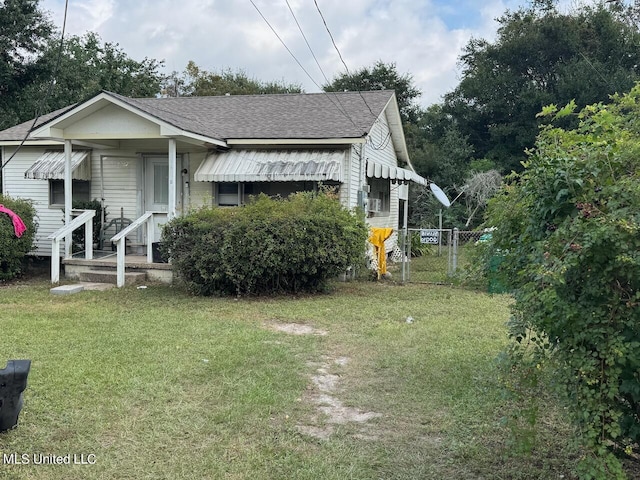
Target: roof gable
{"x":280,"y":118}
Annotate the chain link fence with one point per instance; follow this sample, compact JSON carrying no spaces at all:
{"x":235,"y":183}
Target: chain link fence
{"x":434,"y":255}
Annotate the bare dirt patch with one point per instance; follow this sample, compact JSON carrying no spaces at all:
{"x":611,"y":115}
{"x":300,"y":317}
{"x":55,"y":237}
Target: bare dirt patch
{"x":331,"y":410}
{"x":322,"y":392}
{"x":295,"y":329}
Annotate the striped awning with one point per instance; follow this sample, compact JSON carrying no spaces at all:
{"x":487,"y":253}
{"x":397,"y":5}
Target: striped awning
{"x":50,"y":166}
{"x":272,"y":166}
{"x":380,"y":170}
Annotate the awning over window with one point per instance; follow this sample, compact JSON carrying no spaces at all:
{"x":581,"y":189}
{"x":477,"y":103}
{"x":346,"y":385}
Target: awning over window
{"x":50,"y":166}
{"x":379,"y":170}
{"x":272,"y":166}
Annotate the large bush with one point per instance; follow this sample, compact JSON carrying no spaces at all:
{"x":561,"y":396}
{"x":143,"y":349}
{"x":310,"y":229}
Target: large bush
{"x":13,"y":250}
{"x":266,"y":246}
{"x":569,"y":230}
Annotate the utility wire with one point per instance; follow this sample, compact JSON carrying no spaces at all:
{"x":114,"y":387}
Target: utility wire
{"x":340,"y":55}
{"x":326,"y":26}
{"x":44,"y":99}
{"x":300,"y":64}
{"x":307,"y":42}
{"x":314,"y":55}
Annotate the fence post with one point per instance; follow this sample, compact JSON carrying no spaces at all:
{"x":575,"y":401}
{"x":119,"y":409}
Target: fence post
{"x":440,"y":233}
{"x":455,"y":249}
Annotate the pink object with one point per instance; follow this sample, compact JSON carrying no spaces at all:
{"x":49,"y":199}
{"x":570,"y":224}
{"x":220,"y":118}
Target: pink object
{"x":18,"y":225}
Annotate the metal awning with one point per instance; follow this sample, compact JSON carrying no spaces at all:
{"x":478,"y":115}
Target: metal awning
{"x":272,"y":166}
{"x":50,"y":166}
{"x":380,"y":170}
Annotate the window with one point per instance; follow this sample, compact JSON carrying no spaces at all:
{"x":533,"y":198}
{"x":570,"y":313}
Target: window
{"x":228,"y":194}
{"x":381,"y":190}
{"x":160,"y":183}
{"x":81,"y":191}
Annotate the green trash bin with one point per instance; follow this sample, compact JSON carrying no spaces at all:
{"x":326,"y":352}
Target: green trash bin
{"x":495,"y":283}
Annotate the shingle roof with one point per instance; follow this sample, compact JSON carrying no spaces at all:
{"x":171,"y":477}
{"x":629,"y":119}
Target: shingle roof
{"x":301,"y":116}
{"x":315,"y":115}
{"x":18,"y":132}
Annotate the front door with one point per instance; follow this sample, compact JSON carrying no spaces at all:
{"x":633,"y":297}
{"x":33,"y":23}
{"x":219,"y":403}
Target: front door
{"x":156,"y":188}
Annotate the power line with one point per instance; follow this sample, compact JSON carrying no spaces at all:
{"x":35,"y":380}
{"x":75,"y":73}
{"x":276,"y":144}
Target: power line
{"x":340,"y":55}
{"x":300,"y":64}
{"x":314,"y":56}
{"x":307,"y":42}
{"x":331,"y":36}
{"x":44,"y":99}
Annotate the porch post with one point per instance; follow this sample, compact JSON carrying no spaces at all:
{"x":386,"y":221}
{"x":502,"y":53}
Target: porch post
{"x":172,"y":177}
{"x":68,"y":194}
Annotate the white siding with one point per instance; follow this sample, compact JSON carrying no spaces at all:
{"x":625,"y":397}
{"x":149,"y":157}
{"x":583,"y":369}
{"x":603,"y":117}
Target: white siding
{"x":380,"y":148}
{"x":49,"y":219}
{"x":201,"y":193}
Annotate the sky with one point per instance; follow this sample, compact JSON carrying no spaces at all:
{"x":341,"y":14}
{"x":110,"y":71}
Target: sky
{"x":424,"y":38}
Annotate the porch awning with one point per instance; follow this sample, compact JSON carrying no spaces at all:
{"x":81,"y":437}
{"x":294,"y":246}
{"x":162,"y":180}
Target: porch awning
{"x":272,"y":166}
{"x":379,"y":170}
{"x":50,"y":166}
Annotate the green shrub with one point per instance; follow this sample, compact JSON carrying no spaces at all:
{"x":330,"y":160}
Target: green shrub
{"x":267,"y":246}
{"x":13,"y":250}
{"x":78,"y":235}
{"x":569,"y":231}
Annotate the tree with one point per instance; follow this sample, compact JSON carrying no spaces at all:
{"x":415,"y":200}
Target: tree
{"x":540,"y":56}
{"x":478,"y":189}
{"x":24,"y":32}
{"x":568,"y":229}
{"x":87,"y":66}
{"x":195,"y":81}
{"x":382,"y":76}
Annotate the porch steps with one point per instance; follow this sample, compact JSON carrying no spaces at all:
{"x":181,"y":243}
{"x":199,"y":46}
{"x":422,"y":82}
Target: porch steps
{"x":107,"y":276}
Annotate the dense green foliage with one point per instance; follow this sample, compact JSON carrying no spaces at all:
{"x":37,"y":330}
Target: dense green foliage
{"x":195,"y":81}
{"x":569,"y":230}
{"x":23,"y":33}
{"x":29,"y":53}
{"x":267,"y":246}
{"x":13,"y":250}
{"x":540,"y":56}
{"x":381,"y":76}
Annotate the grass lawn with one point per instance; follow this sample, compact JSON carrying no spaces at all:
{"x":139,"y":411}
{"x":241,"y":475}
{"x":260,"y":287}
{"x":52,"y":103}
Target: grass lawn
{"x":159,"y":385}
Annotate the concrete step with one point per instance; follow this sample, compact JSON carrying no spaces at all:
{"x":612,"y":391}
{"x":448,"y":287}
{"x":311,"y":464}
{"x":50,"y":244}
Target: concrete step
{"x":104,"y":276}
{"x":66,"y":289}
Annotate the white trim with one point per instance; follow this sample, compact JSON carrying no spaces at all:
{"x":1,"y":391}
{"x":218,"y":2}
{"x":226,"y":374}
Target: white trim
{"x":295,"y":141}
{"x":50,"y":130}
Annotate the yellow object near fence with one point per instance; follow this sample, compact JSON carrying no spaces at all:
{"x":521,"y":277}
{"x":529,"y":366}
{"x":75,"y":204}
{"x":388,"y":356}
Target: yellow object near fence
{"x":377,"y":238}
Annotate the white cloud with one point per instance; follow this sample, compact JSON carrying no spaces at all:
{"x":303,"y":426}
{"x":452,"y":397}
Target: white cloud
{"x":220,"y":34}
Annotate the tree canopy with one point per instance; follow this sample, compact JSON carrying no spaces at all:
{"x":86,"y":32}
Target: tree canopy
{"x":381,"y":76}
{"x":195,"y":81}
{"x":24,"y":33}
{"x":30,"y":56}
{"x":540,"y":56}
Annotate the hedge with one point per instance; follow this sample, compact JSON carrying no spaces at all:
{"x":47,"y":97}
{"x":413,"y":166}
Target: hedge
{"x":13,"y":250}
{"x":267,"y":246}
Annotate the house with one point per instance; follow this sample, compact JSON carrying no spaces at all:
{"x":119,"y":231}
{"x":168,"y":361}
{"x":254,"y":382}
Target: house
{"x":167,"y":155}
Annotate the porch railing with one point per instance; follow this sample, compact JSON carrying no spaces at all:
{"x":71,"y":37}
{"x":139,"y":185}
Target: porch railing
{"x":85,"y":218}
{"x":119,"y":240}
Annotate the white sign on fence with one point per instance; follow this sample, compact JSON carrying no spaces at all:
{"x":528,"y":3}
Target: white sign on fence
{"x":429,"y":236}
